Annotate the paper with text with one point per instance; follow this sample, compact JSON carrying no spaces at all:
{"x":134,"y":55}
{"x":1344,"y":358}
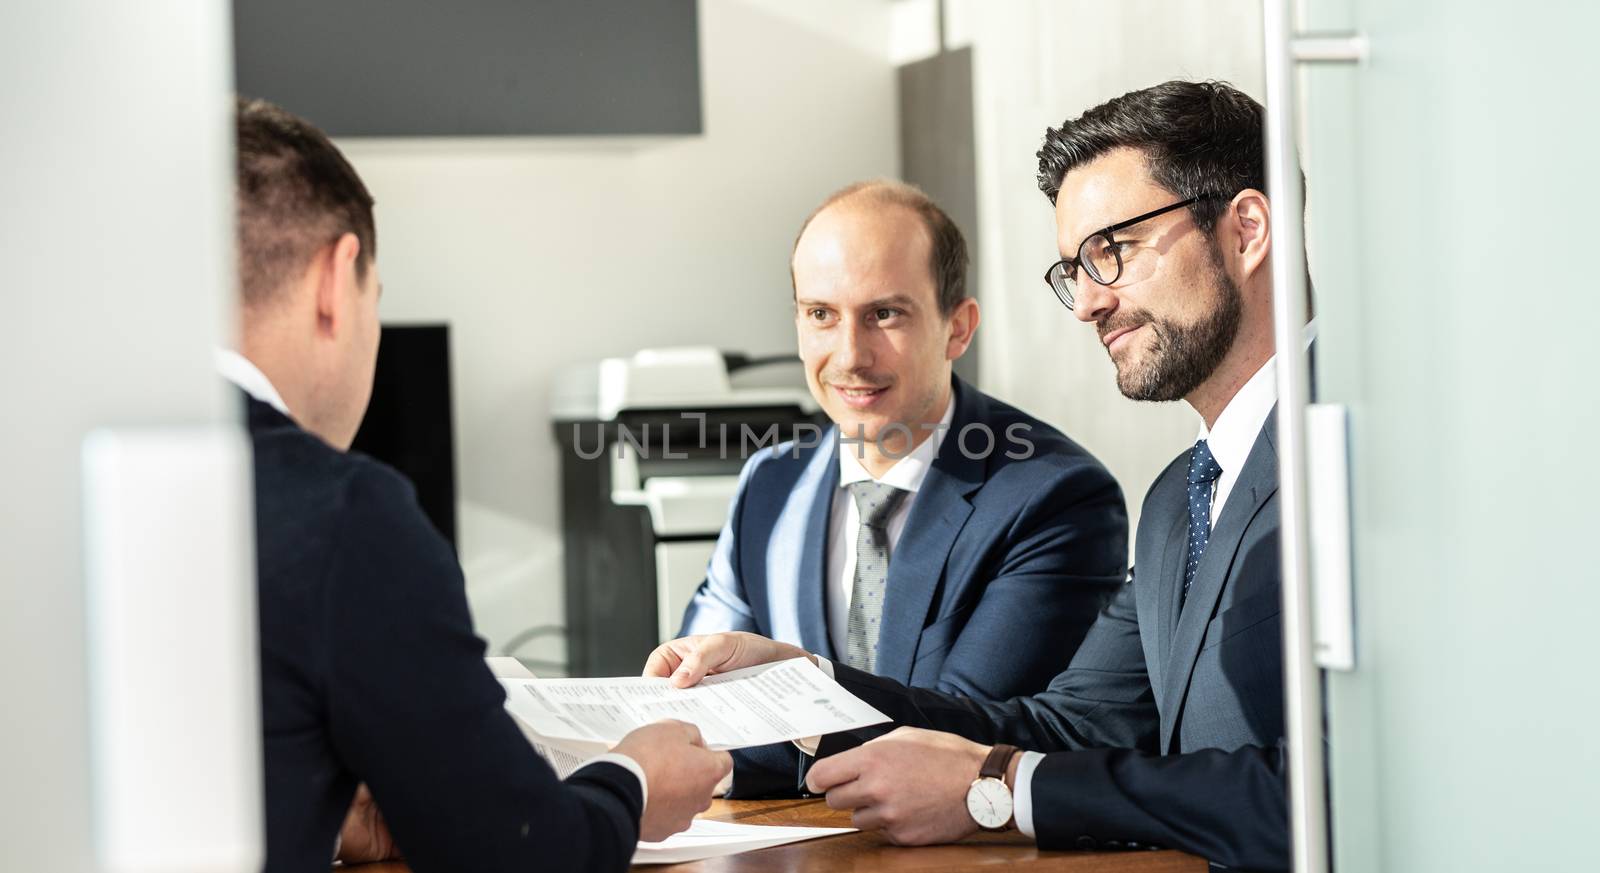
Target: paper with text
{"x":562,"y":757}
{"x":756,"y":706}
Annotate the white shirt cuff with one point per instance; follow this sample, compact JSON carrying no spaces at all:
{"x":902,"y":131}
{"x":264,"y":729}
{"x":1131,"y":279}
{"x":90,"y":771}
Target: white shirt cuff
{"x":1022,"y":794}
{"x":625,"y":763}
{"x":809,"y":744}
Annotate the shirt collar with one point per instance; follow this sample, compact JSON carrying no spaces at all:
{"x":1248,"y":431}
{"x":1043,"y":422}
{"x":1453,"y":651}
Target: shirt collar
{"x":1241,"y":421}
{"x":238,"y":369}
{"x":1235,"y":432}
{"x":908,"y":472}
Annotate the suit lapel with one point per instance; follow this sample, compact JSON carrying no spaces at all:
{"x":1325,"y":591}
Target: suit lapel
{"x":813,"y":585}
{"x":1159,"y":542}
{"x":1170,"y":580}
{"x":916,"y":565}
{"x":1257,"y":482}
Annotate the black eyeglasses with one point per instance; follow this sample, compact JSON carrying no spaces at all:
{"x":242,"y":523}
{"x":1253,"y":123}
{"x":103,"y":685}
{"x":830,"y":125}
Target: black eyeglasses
{"x":1100,"y":255}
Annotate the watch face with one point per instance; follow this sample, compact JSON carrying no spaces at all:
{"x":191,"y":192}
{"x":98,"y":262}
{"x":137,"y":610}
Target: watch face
{"x":989,"y":803}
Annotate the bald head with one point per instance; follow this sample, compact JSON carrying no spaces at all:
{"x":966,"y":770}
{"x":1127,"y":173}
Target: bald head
{"x":883,"y":218}
{"x":852,"y":242}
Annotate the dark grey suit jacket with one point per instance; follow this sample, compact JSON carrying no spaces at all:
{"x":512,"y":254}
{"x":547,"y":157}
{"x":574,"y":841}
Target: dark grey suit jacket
{"x":1167,"y":728}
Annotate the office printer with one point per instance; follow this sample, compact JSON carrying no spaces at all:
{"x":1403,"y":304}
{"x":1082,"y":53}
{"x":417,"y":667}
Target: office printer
{"x":650,"y":459}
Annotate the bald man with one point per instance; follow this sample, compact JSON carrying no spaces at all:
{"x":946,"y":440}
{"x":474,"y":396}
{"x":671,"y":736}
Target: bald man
{"x":935,"y":535}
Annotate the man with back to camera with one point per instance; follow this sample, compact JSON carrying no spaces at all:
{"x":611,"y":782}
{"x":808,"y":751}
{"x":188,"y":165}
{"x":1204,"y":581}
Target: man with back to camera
{"x":370,"y":669}
{"x":1168,"y":727}
{"x":935,"y":536}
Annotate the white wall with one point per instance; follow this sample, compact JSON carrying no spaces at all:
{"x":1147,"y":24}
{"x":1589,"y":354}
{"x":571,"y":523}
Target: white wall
{"x":1036,"y":64}
{"x":542,"y":253}
{"x":116,"y":279}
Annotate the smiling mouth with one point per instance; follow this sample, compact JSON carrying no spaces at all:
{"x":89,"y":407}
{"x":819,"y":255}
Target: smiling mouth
{"x":859,"y":397}
{"x":1115,"y":335}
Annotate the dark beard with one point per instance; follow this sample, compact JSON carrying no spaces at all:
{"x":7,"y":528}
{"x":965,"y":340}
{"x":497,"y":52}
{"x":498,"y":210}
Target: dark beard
{"x":1184,"y":355}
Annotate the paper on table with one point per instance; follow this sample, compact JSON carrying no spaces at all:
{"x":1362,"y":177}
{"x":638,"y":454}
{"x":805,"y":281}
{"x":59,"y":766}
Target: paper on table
{"x":756,"y":706}
{"x":714,"y":839}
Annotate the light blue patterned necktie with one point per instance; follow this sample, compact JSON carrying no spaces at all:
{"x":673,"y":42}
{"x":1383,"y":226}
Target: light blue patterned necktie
{"x":875,"y":502}
{"x":1203,"y":470}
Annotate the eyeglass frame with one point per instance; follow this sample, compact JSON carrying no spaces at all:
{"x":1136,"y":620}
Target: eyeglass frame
{"x":1077,"y":262}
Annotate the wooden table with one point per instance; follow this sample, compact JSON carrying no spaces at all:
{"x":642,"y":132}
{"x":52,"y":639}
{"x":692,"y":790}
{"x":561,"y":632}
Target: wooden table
{"x":871,"y":852}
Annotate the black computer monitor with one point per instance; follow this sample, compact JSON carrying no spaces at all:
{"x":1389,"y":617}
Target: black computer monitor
{"x":409,"y":423}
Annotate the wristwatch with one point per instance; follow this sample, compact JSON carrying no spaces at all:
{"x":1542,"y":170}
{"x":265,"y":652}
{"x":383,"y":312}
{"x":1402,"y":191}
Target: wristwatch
{"x":988,"y":799}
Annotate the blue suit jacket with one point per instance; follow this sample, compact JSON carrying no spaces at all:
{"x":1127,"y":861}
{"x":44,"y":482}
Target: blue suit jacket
{"x":1168,"y":728}
{"x":1003,"y":564}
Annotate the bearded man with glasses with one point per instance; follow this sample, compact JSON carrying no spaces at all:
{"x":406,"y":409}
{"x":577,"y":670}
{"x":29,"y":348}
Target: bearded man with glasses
{"x":1126,"y":253}
{"x":1167,"y":729}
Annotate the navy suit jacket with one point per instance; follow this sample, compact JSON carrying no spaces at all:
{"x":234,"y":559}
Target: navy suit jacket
{"x":1168,"y":727}
{"x":370,"y":672}
{"x":1002,"y":566}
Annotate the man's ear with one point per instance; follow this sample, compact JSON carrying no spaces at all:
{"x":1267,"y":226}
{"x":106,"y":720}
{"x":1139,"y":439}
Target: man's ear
{"x":963,"y":325}
{"x":337,"y":282}
{"x":1248,"y":226}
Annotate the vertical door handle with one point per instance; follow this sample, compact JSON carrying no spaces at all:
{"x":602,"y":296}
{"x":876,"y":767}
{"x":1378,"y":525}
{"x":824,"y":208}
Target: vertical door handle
{"x":1328,"y":48}
{"x":1302,"y":685}
{"x":1328,"y":493}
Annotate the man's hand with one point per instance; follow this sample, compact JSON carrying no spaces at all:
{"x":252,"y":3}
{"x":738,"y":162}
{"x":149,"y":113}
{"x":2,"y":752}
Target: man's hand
{"x":912,"y":784}
{"x":680,"y":771}
{"x":690,"y":659}
{"x":365,"y":836}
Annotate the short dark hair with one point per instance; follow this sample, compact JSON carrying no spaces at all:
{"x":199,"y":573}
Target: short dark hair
{"x":296,"y":194}
{"x":1197,"y":138}
{"x":948,"y":261}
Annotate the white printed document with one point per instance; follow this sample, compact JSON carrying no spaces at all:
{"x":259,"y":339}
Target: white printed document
{"x":570,"y":721}
{"x":562,"y":757}
{"x":714,"y":839}
{"x":756,"y":706}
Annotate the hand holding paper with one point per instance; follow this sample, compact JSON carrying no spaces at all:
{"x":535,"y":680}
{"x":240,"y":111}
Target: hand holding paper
{"x":687,"y":660}
{"x":680,"y":771}
{"x":754,"y":706}
{"x":570,"y":721}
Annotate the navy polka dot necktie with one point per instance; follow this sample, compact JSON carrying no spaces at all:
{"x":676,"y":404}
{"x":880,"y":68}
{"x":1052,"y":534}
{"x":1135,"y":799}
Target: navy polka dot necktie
{"x":1203,"y":470}
{"x":875,"y":502}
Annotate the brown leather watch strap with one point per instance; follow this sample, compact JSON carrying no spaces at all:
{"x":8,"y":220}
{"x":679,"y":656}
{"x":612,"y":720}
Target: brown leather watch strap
{"x":994,"y":766}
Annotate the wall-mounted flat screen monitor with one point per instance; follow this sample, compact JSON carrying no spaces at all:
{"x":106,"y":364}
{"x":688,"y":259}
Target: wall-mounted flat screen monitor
{"x":475,"y":67}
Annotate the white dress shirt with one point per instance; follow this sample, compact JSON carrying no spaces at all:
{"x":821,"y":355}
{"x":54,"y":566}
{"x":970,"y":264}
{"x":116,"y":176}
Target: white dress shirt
{"x":1236,"y":430}
{"x":239,"y":370}
{"x":845,"y":521}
